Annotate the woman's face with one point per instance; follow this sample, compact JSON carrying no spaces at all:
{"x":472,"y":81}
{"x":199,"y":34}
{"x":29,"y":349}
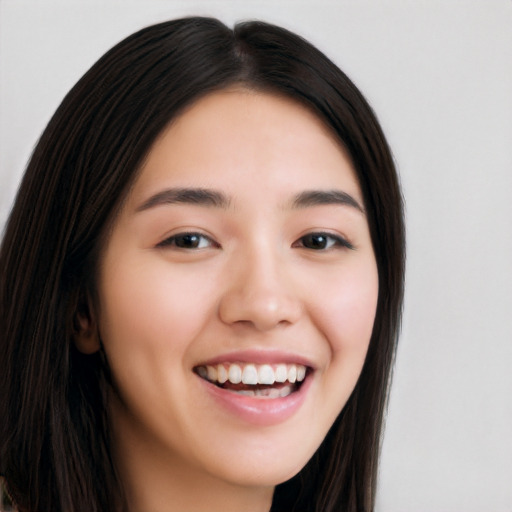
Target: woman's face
{"x":242,"y":252}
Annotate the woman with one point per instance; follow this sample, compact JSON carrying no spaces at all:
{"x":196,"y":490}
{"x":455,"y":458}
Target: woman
{"x":201,"y":283}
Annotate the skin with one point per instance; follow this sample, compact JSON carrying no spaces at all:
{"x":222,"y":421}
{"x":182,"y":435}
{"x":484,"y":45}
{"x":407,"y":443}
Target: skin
{"x":255,"y":282}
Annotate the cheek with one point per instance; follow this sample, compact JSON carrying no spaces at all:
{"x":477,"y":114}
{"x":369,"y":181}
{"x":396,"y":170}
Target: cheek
{"x":347,"y":308}
{"x":344,"y":312}
{"x":150,"y":314}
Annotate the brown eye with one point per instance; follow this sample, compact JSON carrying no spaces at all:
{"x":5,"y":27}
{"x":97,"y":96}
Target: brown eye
{"x":188,"y":241}
{"x":323,"y":241}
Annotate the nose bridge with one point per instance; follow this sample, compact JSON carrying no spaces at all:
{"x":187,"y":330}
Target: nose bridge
{"x":259,"y":292}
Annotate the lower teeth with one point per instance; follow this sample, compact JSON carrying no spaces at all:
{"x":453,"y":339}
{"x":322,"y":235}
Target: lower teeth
{"x":265,"y":393}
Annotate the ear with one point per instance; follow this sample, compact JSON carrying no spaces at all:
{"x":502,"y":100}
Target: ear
{"x":86,"y":335}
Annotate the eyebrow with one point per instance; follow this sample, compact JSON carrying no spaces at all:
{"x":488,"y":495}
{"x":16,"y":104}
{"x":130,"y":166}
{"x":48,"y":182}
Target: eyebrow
{"x":198,"y":196}
{"x":311,"y":198}
{"x":216,"y":199}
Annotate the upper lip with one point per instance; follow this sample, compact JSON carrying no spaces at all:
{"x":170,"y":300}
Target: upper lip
{"x":258,"y":357}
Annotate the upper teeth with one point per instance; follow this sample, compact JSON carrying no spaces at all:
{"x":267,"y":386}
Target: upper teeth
{"x":253,"y":373}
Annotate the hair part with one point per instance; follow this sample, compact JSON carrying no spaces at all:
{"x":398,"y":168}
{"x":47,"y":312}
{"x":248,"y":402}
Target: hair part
{"x":55,"y":447}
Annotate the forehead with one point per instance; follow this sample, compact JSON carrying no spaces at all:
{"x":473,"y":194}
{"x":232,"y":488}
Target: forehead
{"x":240,"y":137}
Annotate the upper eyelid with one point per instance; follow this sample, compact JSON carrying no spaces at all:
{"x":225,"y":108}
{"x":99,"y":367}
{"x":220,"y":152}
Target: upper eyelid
{"x":343,"y":240}
{"x":165,"y":240}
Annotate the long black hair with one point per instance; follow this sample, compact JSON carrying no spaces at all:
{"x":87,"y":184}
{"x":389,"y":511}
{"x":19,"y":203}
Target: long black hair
{"x":55,"y":450}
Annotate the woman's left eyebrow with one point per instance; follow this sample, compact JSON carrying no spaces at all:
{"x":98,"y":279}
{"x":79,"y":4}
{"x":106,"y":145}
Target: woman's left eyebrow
{"x":310,"y":198}
{"x":197,"y":196}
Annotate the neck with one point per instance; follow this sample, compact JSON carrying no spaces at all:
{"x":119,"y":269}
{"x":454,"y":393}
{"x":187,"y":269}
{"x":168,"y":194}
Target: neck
{"x":158,"y":480}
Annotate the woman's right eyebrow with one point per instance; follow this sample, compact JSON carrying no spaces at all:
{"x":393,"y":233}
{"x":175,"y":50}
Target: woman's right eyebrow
{"x":197,"y":196}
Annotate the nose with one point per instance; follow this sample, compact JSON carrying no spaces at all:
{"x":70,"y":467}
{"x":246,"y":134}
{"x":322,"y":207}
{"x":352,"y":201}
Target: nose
{"x":260,"y":294}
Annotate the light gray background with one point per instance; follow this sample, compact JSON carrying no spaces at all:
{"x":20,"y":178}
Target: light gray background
{"x":439,"y":77}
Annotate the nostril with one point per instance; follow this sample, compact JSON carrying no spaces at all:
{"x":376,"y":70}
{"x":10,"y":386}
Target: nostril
{"x":262,"y":310}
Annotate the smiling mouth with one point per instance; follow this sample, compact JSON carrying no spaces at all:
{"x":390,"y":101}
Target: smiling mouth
{"x":255,"y":380}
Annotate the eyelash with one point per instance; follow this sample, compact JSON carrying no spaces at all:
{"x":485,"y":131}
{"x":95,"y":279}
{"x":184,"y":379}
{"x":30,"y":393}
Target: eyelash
{"x":173,"y":241}
{"x":324,"y":241}
{"x":332,"y":241}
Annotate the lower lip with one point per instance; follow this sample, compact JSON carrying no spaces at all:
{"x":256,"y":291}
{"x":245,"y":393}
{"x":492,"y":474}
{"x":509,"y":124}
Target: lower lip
{"x":259,"y":411}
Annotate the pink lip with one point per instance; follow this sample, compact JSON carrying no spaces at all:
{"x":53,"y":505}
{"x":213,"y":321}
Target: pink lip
{"x":258,"y":411}
{"x":258,"y":357}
